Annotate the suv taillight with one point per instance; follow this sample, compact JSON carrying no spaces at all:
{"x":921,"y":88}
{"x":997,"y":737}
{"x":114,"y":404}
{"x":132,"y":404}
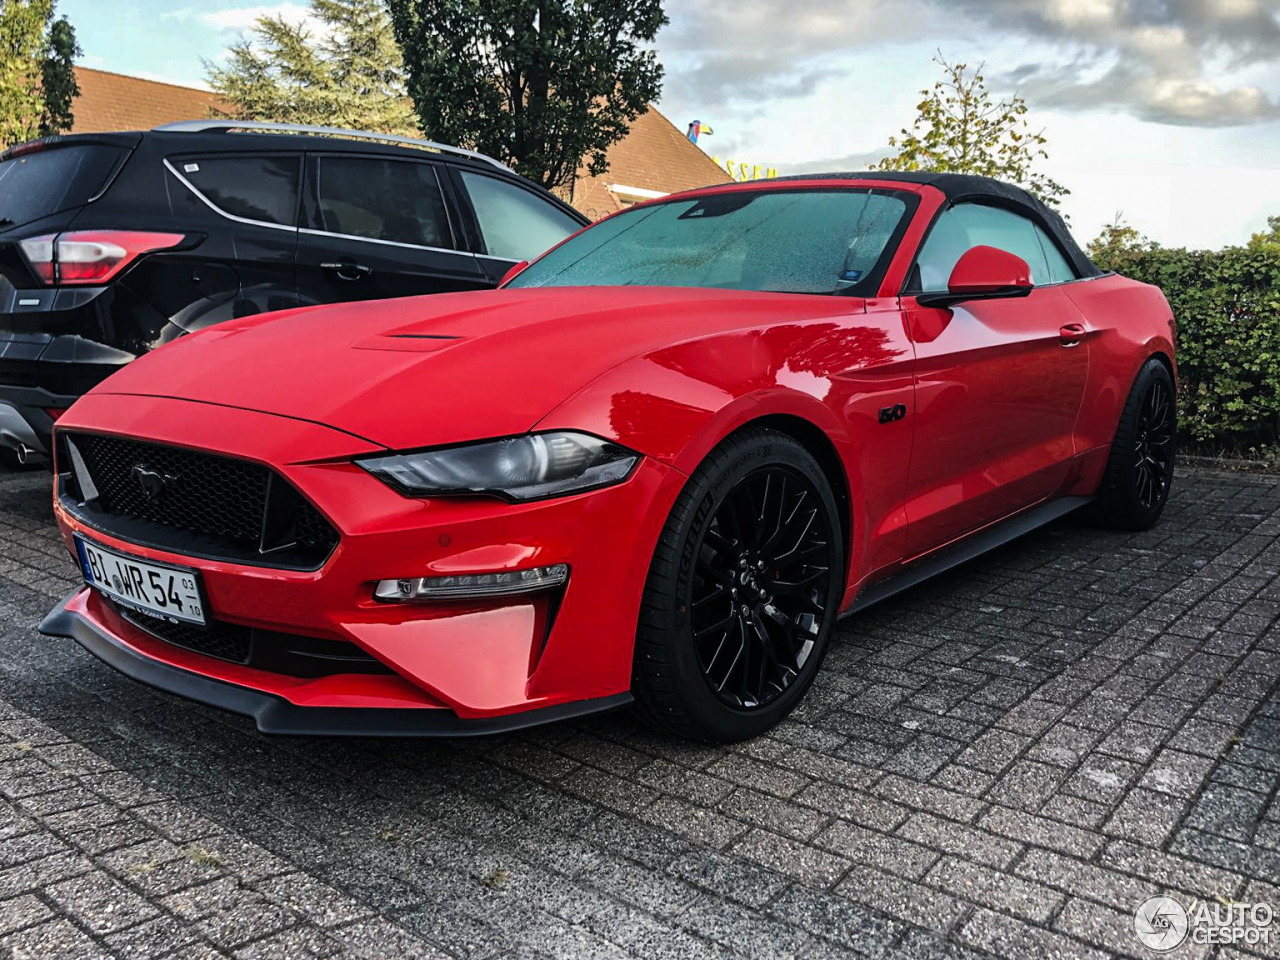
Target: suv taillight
{"x":90,"y":256}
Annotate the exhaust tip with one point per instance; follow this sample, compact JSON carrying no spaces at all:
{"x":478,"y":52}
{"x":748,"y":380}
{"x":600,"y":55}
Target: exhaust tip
{"x":25,"y":454}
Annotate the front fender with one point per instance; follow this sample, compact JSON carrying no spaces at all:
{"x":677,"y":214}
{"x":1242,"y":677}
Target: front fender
{"x":677,"y":404}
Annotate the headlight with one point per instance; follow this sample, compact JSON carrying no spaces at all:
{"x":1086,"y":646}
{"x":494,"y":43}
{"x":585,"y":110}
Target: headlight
{"x":531,"y":467}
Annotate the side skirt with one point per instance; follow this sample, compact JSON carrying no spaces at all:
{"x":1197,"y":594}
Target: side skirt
{"x":974,"y":545}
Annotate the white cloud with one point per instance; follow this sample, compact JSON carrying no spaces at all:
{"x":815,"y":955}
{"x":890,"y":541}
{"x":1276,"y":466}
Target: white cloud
{"x":237,"y":20}
{"x":1169,"y":61}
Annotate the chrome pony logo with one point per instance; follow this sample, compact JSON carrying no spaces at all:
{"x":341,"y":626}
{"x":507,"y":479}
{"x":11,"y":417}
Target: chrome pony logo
{"x":151,"y":482}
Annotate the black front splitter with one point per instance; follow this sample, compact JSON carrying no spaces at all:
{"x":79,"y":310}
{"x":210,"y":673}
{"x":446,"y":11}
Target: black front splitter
{"x":276,"y":715}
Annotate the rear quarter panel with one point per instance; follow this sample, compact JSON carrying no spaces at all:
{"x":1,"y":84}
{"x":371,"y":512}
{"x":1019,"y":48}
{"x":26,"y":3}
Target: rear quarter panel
{"x":1129,"y":322}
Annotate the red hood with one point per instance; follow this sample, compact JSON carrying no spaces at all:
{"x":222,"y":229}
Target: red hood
{"x":446,"y":368}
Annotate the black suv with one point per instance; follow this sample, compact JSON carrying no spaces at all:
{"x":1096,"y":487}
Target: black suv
{"x":112,"y":244}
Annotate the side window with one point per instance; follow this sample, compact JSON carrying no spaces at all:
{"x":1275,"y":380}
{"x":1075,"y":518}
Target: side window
{"x":969,"y":225}
{"x":255,"y":188}
{"x":516,"y":223}
{"x":1059,"y":269}
{"x":380,"y":199}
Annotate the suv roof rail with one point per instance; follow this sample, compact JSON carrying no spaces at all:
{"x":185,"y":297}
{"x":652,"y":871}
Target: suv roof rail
{"x":264,"y":126}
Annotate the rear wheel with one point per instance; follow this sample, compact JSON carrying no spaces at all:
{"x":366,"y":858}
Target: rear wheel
{"x":1139,"y":471}
{"x":742,"y":592}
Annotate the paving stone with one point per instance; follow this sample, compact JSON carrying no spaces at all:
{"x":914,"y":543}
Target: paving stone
{"x":1175,"y":872}
{"x":1177,"y":773}
{"x":1007,"y":936}
{"x":1146,"y":816}
{"x":854,"y":805}
{"x":1041,"y":831}
{"x":977,"y":845}
{"x":100,"y":902}
{"x":1001,"y":763}
{"x":694,"y":822}
{"x":890,"y":853}
{"x":54,"y":940}
{"x":22,"y":911}
{"x":781,"y":816}
{"x":908,"y":901}
{"x":993,"y":888}
{"x":1026,"y":786}
{"x":832,"y":917}
{"x":811,"y":866}
{"x":1112,"y":930}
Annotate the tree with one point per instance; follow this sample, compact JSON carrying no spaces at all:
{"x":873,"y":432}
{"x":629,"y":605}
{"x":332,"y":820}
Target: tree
{"x":1117,"y":242}
{"x":1268,"y":239}
{"x":37,"y":79}
{"x":58,"y":78}
{"x":342,"y":68}
{"x":542,"y":85}
{"x":961,"y":129}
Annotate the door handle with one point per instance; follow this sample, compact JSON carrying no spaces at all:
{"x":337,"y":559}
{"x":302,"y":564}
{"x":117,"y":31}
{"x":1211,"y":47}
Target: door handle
{"x":1071,"y":334}
{"x":347,"y":269}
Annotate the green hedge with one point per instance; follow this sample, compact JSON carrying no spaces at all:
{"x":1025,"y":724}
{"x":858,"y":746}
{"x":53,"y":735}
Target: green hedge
{"x":1227,"y":307}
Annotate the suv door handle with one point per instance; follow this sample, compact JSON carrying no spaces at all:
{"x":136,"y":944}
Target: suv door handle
{"x":347,"y":269}
{"x":1071,"y":334}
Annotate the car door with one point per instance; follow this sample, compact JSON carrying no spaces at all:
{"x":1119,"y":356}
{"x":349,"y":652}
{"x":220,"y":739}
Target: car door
{"x":999,"y":382}
{"x":513,"y":222}
{"x":376,"y":226}
{"x":246,"y":205}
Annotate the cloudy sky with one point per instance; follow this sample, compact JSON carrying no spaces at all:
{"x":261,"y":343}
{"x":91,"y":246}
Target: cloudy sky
{"x":1167,"y":111}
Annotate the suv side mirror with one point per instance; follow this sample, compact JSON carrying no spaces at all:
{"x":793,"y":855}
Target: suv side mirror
{"x":516,"y":269}
{"x":983,"y":273}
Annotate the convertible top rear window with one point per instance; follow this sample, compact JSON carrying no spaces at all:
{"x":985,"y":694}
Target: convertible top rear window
{"x":793,"y":241}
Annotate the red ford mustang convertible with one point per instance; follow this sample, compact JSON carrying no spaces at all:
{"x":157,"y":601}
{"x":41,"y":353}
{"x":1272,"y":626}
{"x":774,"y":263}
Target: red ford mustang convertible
{"x":656,"y":466}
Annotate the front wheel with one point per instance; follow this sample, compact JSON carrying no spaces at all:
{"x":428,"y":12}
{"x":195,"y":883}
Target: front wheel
{"x":1135,"y":486}
{"x":742,"y":592}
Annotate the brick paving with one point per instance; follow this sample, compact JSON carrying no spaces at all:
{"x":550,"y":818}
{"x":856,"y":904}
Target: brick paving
{"x":1004,"y":762}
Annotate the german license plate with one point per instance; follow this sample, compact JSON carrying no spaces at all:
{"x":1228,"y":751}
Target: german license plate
{"x":153,"y":588}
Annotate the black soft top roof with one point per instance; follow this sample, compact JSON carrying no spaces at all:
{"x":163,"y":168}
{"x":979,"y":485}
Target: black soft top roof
{"x":960,"y":186}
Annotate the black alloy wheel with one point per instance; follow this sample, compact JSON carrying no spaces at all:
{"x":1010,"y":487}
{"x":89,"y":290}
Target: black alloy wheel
{"x":1139,"y":472}
{"x":1153,"y":446}
{"x":742,"y":593}
{"x":759,"y":589}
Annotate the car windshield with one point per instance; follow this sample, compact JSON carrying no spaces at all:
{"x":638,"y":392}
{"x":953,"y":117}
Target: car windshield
{"x":792,"y":241}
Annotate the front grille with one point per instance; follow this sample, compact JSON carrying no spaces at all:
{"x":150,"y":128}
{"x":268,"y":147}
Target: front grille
{"x":199,"y":504}
{"x":226,"y":641}
{"x":283,"y":653}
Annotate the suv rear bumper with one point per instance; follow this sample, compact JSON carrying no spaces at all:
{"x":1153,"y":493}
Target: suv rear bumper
{"x":26,"y":426}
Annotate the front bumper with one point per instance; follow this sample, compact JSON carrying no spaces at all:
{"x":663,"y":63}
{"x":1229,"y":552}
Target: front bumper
{"x":478,"y":665}
{"x":277,"y":715}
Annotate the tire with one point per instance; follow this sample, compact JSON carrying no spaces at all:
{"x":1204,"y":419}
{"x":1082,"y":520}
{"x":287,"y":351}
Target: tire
{"x":1139,"y":473}
{"x":717,"y":558}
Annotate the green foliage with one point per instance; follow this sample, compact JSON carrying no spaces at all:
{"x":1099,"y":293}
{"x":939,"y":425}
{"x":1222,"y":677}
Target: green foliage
{"x":1268,"y":239}
{"x":346,"y":72}
{"x":542,"y":85}
{"x":1227,"y":306}
{"x":37,"y":83}
{"x":58,"y":78}
{"x":961,"y":129}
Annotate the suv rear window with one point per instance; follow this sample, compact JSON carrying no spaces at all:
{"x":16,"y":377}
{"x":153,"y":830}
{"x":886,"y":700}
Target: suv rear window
{"x":253,"y":188}
{"x":39,"y":184}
